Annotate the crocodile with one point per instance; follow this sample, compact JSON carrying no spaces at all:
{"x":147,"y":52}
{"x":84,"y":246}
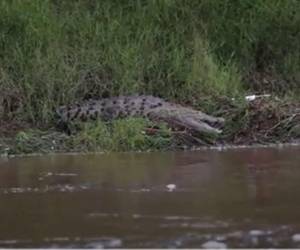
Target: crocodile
{"x":151,"y":107}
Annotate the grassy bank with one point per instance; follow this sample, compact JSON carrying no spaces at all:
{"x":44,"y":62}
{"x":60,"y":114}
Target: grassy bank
{"x":199,"y":53}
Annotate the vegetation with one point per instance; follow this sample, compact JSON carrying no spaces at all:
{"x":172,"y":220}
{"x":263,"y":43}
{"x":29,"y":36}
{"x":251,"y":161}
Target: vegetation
{"x":200,"y":53}
{"x":121,"y":135}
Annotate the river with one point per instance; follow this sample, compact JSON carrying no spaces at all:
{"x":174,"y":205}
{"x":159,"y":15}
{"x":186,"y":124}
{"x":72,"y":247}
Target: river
{"x":211,"y":198}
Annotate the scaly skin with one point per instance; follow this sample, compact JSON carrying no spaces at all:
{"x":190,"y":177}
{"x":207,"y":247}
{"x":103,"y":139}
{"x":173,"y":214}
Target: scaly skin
{"x":111,"y":108}
{"x":139,"y":106}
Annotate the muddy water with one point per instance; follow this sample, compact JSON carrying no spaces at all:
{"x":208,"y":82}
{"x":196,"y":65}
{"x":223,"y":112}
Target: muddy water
{"x":233,"y":198}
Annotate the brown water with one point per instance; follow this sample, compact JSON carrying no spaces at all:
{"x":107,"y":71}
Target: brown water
{"x":233,"y":198}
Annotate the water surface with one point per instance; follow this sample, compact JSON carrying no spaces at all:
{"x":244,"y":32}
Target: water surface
{"x":232,"y":198}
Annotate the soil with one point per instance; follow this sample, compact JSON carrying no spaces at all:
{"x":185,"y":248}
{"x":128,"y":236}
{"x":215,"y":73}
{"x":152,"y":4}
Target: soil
{"x":267,"y":120}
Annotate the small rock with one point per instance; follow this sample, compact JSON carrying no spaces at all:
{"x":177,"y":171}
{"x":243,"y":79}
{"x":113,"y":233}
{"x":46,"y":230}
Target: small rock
{"x":250,"y":97}
{"x":296,"y":237}
{"x":171,"y":187}
{"x":214,"y":245}
{"x":256,"y":233}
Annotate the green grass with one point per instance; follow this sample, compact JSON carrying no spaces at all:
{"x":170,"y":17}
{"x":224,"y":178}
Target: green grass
{"x":122,"y":135}
{"x":55,"y":52}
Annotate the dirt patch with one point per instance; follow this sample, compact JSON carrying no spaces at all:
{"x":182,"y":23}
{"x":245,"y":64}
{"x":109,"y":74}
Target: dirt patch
{"x":268,"y":80}
{"x":12,"y":127}
{"x":266,"y":120}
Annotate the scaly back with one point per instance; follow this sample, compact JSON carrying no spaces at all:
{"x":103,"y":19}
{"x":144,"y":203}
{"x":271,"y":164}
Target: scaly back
{"x":111,"y":108}
{"x":144,"y":106}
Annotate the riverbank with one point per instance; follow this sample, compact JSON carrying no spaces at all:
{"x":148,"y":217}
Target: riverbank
{"x":207,"y":55}
{"x":262,"y":121}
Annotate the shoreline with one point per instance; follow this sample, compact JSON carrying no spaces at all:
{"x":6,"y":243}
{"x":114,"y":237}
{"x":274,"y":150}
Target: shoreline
{"x":264,"y":122}
{"x":220,"y":148}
